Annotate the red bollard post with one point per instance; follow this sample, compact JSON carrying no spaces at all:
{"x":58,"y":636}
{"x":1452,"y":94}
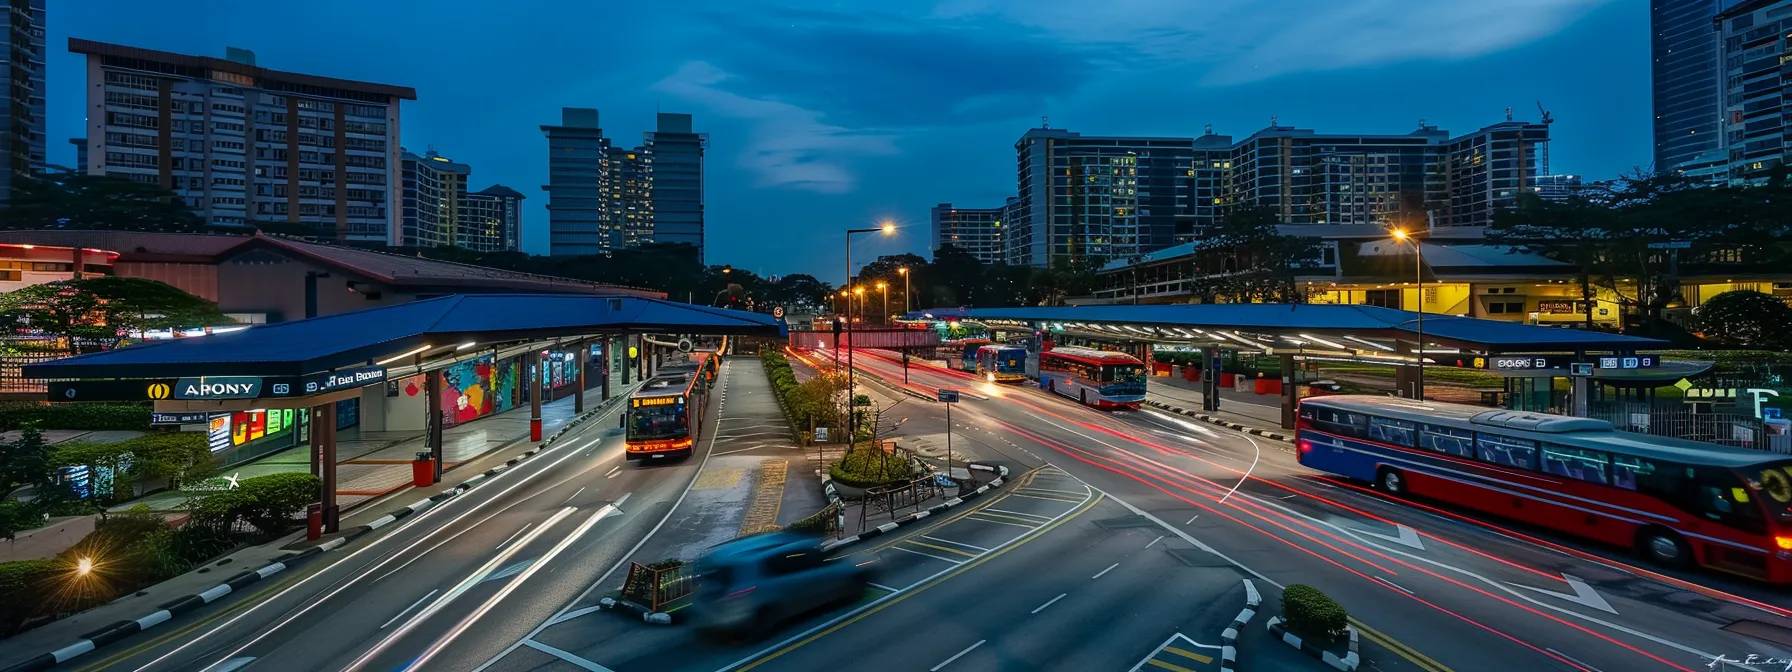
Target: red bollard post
{"x":314,"y":522}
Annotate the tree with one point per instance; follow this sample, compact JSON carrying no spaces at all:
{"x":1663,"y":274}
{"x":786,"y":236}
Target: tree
{"x":65,"y":199}
{"x":1245,"y":259}
{"x":1748,"y":319}
{"x":801,"y":291}
{"x":957,"y":278}
{"x":24,"y":463}
{"x":97,"y":313}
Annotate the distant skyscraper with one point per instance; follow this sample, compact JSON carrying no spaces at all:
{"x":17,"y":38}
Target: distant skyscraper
{"x":22,"y":86}
{"x":431,"y":190}
{"x":242,"y":143}
{"x":491,"y":220}
{"x":578,"y":208}
{"x":677,"y":180}
{"x":974,"y":230}
{"x":1753,"y":54}
{"x":80,"y":153}
{"x":630,"y":187}
{"x":1685,"y":81}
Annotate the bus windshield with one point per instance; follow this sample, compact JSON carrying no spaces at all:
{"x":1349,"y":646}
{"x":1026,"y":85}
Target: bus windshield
{"x":1775,"y":482}
{"x":656,"y":422}
{"x":1123,"y":375}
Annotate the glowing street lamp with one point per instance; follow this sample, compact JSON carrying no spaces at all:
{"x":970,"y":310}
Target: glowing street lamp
{"x":906,"y":307}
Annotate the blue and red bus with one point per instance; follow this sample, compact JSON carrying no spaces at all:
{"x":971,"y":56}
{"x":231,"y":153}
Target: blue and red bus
{"x":1002,"y":363}
{"x":966,"y":351}
{"x":1096,"y":378}
{"x":1676,"y":502}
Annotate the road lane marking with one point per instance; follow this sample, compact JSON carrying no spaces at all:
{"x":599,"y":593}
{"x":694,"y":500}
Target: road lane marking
{"x":772,"y":652}
{"x":566,"y":656}
{"x":1571,"y":659}
{"x":1395,"y":585}
{"x":1048,"y":603}
{"x":954,"y":543}
{"x":936,"y":547}
{"x":1034,"y":488}
{"x":1066,"y":500}
{"x":956,"y":656}
{"x":880,"y":586}
{"x":575,"y":494}
{"x":991,"y":519}
{"x":1423,"y":661}
{"x":408,"y":609}
{"x":1154,"y":541}
{"x":926,"y":555}
{"x":1105,"y":571}
{"x":507,"y":540}
{"x":1185,"y":653}
{"x":613,"y":471}
{"x":232,"y":664}
{"x":1019,"y":513}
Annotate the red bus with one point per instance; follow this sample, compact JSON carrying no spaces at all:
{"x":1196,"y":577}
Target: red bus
{"x":665,"y":416}
{"x":1676,"y":502}
{"x":1094,"y":377}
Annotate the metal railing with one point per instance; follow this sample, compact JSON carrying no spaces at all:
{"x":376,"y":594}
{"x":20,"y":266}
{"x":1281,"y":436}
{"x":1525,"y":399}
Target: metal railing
{"x":659,"y":584}
{"x":1730,"y":429}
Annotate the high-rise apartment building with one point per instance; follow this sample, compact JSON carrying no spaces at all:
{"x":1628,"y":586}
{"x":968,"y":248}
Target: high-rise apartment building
{"x":245,"y":144}
{"x":491,"y":220}
{"x":1487,"y":169}
{"x":22,"y":100}
{"x":431,"y":190}
{"x":677,"y":180}
{"x":1753,"y":51}
{"x":1314,"y":178}
{"x":630,"y":187}
{"x":977,"y":231}
{"x":1686,"y":83}
{"x":1108,"y":196}
{"x":1557,"y":187}
{"x":578,"y":207}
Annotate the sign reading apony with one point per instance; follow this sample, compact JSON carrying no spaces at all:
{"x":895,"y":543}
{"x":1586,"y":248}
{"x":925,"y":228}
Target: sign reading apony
{"x":217,"y":387}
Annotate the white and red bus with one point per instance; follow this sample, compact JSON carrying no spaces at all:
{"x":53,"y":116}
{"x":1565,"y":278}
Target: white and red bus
{"x":665,"y":416}
{"x":1094,"y":377}
{"x":1676,"y":502}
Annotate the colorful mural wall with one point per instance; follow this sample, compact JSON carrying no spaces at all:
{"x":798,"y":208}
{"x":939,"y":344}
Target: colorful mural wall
{"x":467,"y":390}
{"x":506,"y":378}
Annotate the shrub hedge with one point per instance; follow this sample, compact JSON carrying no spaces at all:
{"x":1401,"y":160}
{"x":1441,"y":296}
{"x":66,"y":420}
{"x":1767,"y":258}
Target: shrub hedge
{"x":28,"y":591}
{"x":869,"y":467}
{"x":270,"y":503}
{"x":90,"y":416}
{"x":1312,"y":614}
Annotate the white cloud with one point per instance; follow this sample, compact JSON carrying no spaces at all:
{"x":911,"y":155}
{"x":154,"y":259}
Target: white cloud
{"x":788,"y":146}
{"x":1246,"y":40}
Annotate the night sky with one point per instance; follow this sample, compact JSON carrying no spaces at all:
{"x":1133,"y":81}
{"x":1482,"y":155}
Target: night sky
{"x":827,"y":115}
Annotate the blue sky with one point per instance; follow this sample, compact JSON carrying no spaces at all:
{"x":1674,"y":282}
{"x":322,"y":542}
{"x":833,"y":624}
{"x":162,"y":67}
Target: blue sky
{"x":826,"y":115}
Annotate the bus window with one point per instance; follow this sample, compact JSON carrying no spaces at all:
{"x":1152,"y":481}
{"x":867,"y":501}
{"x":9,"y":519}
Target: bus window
{"x":656,"y":422}
{"x":1576,"y":463}
{"x":1511,"y":452}
{"x":1628,"y":471}
{"x":1397,"y":432}
{"x":1343,"y":423}
{"x":1448,"y":440}
{"x":1722,"y":498}
{"x":1774,"y":483}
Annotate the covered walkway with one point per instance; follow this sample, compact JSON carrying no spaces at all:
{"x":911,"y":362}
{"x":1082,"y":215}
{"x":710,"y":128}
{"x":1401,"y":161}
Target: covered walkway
{"x":423,"y":366}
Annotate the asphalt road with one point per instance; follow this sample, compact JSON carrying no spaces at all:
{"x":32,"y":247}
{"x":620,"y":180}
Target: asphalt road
{"x":448,"y":587}
{"x":1438,"y":592}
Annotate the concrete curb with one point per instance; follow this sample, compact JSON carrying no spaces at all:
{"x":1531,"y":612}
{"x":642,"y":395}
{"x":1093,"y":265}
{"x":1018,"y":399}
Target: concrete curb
{"x":886,"y":528}
{"x":648,"y":615}
{"x":1347,"y":663}
{"x":168,"y":610}
{"x":1229,"y":638}
{"x":1203,"y":417}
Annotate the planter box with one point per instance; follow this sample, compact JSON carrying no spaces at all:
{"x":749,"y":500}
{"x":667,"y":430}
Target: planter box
{"x":1161,"y":368}
{"x":1268,"y":386}
{"x":1228,"y":379}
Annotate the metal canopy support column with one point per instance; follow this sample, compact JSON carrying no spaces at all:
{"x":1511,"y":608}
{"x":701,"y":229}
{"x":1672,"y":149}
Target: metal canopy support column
{"x":609,"y":353}
{"x":1406,"y":379}
{"x":533,"y":364}
{"x":1289,"y":395}
{"x":1580,"y":391}
{"x":323,"y":445}
{"x":582,"y":355}
{"x":628,"y":364}
{"x":432,"y":386}
{"x":1210,"y":379}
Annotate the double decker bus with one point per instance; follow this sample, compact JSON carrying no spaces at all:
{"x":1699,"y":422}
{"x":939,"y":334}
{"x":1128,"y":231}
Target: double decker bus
{"x":665,"y":416}
{"x":1002,"y":363}
{"x":1676,"y":502}
{"x":1097,"y":378}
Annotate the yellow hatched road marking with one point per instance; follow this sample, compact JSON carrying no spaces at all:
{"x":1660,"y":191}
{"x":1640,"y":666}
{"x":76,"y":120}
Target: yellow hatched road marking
{"x":940,"y":548}
{"x":1189,"y":654}
{"x":1167,"y":666}
{"x":1423,"y":661}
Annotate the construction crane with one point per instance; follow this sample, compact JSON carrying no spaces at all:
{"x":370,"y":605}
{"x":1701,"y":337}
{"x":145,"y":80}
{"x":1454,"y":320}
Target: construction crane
{"x":1547,"y":120}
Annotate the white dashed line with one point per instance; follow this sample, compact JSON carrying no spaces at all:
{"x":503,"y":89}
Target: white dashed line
{"x":1104,"y":572}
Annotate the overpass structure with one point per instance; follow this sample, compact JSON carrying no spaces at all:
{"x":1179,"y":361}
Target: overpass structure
{"x":1375,"y":334}
{"x":313,"y":365}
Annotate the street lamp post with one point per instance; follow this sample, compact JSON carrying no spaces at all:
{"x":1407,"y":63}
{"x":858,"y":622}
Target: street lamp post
{"x":1418,"y":268}
{"x":884,"y":288}
{"x":907,"y":307}
{"x":852,"y":440}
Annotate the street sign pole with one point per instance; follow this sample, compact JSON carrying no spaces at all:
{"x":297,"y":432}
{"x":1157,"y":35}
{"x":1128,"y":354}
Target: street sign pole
{"x":948,"y":397}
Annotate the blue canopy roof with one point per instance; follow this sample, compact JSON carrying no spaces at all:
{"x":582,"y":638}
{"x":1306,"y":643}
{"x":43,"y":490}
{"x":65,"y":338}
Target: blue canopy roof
{"x":1351,"y":320}
{"x":346,"y":339}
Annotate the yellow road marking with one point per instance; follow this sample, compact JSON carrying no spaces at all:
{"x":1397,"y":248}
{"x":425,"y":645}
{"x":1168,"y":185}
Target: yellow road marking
{"x":1010,"y":516}
{"x":1001,"y":522}
{"x":1037,"y":533}
{"x":1423,"y":661}
{"x":1167,"y":666}
{"x":1185,"y":653}
{"x":941,"y":548}
{"x":1049,"y":499}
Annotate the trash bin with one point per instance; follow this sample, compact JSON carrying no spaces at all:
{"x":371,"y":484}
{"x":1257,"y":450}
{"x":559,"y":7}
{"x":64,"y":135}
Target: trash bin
{"x":314,"y":521}
{"x":423,"y":470}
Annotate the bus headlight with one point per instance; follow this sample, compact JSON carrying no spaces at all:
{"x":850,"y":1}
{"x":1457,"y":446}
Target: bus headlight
{"x":991,"y":377}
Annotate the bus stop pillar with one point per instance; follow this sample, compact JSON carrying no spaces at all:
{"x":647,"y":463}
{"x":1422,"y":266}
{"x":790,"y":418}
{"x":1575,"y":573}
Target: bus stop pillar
{"x":1210,"y":382}
{"x":432,"y":423}
{"x":609,"y":352}
{"x":323,"y":444}
{"x":1406,"y":377}
{"x":584,"y":359}
{"x":534,"y":366}
{"x":628,"y":363}
{"x":1289,"y":395}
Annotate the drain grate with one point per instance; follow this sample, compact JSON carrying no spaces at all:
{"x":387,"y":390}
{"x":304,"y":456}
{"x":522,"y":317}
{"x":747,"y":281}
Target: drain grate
{"x":1762,"y":631}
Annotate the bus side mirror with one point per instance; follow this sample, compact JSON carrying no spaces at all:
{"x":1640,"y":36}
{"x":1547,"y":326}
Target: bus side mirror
{"x":622,"y":421}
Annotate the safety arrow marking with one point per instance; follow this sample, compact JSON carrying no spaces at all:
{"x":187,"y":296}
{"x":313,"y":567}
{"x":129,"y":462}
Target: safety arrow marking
{"x":1405,"y":536}
{"x":1583,"y":595}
